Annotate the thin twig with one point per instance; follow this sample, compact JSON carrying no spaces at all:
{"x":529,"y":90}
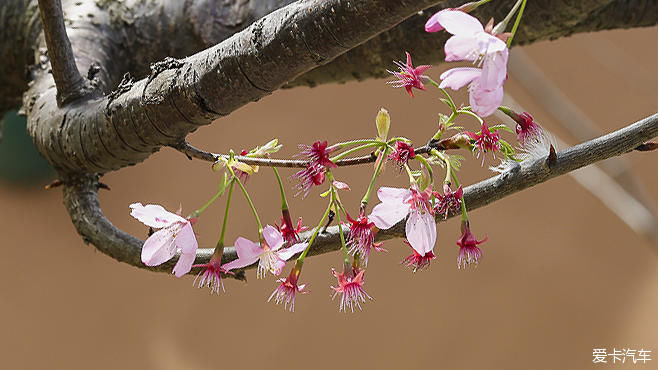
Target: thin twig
{"x":69,"y":82}
{"x":193,"y":152}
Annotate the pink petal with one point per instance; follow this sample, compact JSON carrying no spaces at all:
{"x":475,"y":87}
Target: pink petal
{"x":273,"y":237}
{"x":159,"y":247}
{"x":421,"y":232}
{"x":278,"y":267}
{"x":286,"y":253}
{"x":458,"y":23}
{"x":341,"y":185}
{"x":456,"y":78}
{"x":248,"y":253}
{"x":494,"y":70}
{"x":392,"y":209}
{"x":184,"y":264}
{"x":485,"y":102}
{"x":409,"y":59}
{"x":432,"y":24}
{"x":388,"y":194}
{"x":489,"y":44}
{"x":154,"y":215}
{"x":185,"y":240}
{"x":461,"y":47}
{"x":421,"y":69}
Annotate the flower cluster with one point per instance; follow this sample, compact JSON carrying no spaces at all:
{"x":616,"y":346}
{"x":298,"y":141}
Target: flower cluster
{"x":314,"y":173}
{"x":416,"y":208}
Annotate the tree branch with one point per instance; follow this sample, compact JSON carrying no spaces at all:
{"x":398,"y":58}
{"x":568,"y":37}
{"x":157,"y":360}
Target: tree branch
{"x":70,"y":85}
{"x":81,"y":200}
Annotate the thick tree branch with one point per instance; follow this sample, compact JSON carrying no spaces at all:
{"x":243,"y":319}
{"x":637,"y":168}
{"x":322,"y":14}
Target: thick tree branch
{"x":81,"y":201}
{"x":180,"y":95}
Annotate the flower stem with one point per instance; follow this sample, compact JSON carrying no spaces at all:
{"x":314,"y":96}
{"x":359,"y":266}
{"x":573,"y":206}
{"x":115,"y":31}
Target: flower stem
{"x":366,"y":196}
{"x":354,"y":142}
{"x":516,"y":24}
{"x":346,"y":255}
{"x":251,"y":204}
{"x":355,"y":149}
{"x":220,"y":243}
{"x":316,"y":232}
{"x":284,"y":201}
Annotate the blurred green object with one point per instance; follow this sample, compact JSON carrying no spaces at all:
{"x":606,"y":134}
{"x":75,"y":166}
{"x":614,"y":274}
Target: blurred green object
{"x":20,"y":163}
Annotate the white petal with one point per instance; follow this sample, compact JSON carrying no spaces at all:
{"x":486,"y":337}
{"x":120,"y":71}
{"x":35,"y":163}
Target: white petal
{"x":421,"y":232}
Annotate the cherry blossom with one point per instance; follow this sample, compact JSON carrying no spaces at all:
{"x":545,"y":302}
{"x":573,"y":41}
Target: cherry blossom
{"x":175,"y":235}
{"x":402,"y":154}
{"x":350,"y":287}
{"x":416,"y":261}
{"x":485,"y":141}
{"x":288,"y":289}
{"x":269,"y":254}
{"x":471,"y":42}
{"x":469,"y":252}
{"x":314,"y":173}
{"x":408,"y":76}
{"x":211,"y":275}
{"x":361,"y":237}
{"x":396,"y":204}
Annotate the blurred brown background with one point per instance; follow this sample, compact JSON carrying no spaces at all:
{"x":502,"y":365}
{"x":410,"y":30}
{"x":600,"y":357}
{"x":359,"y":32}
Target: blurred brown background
{"x":561,"y":274}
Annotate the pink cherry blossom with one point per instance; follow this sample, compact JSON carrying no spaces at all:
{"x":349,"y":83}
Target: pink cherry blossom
{"x":470,"y":41}
{"x":314,"y":173}
{"x":361,"y":238}
{"x":350,"y":287}
{"x":270,"y":256}
{"x":402,"y":154}
{"x":469,"y":252}
{"x":408,"y":76}
{"x":290,"y":233}
{"x":396,"y":204}
{"x":416,"y":261}
{"x":288,"y":289}
{"x":527,"y":129}
{"x":175,"y":235}
{"x":485,"y":141}
{"x":449,"y":201}
{"x":211,"y":275}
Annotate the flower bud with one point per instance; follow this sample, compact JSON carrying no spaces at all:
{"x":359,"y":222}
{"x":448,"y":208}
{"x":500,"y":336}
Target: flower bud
{"x":383,"y":122}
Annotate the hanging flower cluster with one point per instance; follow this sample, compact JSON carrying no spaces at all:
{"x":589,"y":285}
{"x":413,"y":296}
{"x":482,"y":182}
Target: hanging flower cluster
{"x":414,"y":209}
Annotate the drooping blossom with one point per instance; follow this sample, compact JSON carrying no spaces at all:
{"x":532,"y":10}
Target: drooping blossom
{"x":527,"y":129}
{"x":211,"y":275}
{"x":361,"y":237}
{"x":288,"y":289}
{"x":402,"y":154}
{"x":269,"y":254}
{"x":471,"y":42}
{"x":469,"y":252}
{"x":449,"y":201}
{"x":396,"y":204}
{"x":350,"y":287}
{"x":175,"y":235}
{"x":408,"y":76}
{"x":416,"y":261}
{"x":314,"y":173}
{"x":290,"y":233}
{"x":485,"y":141}
{"x":433,"y":25}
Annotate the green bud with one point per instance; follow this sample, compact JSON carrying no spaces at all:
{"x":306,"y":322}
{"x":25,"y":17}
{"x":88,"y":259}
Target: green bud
{"x":383,"y":122}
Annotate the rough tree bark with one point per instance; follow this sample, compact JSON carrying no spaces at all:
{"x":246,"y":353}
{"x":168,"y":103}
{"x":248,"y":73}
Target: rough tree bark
{"x":229,"y":53}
